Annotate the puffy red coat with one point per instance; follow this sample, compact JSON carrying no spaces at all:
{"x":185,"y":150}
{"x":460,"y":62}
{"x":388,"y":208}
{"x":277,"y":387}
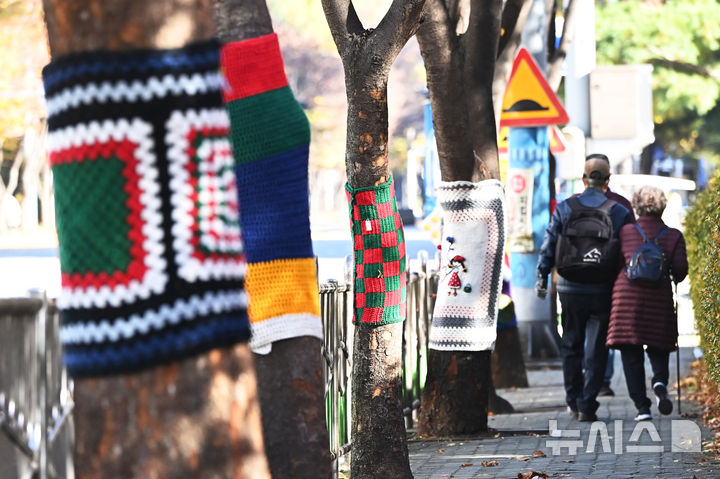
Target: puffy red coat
{"x":644,"y":314}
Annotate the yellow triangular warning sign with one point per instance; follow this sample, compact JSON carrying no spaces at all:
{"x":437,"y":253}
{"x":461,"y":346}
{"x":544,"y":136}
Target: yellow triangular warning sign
{"x":529,"y":100}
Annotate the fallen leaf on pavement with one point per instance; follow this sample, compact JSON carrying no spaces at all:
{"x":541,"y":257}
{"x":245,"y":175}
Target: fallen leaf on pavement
{"x":490,"y":463}
{"x":523,"y":458}
{"x":532,"y":475}
{"x":441,"y":450}
{"x":539,"y":453}
{"x":466,"y":464}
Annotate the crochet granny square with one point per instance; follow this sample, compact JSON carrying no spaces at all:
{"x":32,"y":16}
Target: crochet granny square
{"x":146,"y":201}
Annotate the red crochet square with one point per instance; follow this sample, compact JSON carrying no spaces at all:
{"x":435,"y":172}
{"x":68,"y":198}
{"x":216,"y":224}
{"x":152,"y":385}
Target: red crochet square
{"x":374,"y":285}
{"x":385,"y":210}
{"x":391,"y":268}
{"x":365,"y":198}
{"x":371,"y":315}
{"x":373,"y":255}
{"x":389,"y":240}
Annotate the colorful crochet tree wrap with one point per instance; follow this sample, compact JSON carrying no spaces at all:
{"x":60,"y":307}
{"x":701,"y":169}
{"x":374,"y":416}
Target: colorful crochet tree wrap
{"x":473,"y":237}
{"x":379,"y":246}
{"x":147,"y":218}
{"x":270,"y":137}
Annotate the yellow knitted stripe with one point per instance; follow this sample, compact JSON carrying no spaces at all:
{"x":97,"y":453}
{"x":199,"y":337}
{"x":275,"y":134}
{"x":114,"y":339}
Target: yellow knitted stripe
{"x":284,"y":286}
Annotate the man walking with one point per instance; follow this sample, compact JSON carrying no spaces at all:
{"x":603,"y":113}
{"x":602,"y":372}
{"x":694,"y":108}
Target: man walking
{"x":582,"y":242}
{"x":605,"y":389}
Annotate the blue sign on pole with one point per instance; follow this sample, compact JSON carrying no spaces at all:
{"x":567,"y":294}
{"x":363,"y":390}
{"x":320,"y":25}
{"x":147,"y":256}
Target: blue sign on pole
{"x":431,"y":164}
{"x":529,"y":150}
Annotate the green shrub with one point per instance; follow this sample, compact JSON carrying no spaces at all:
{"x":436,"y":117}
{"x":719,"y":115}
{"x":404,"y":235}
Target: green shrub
{"x":702,"y":235}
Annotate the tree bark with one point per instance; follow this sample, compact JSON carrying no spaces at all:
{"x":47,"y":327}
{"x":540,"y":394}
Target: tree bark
{"x":379,"y":447}
{"x":460,"y":69}
{"x":291,"y":390}
{"x":455,"y":399}
{"x":194,"y":418}
{"x":508,"y":367}
{"x":85,"y":25}
{"x":290,"y":384}
{"x":197,"y":418}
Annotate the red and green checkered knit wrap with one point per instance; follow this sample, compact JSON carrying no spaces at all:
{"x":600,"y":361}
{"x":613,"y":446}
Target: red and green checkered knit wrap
{"x":379,"y":246}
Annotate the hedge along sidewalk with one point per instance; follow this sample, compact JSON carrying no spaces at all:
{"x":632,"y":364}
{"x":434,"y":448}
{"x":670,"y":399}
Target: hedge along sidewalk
{"x":702,"y":228}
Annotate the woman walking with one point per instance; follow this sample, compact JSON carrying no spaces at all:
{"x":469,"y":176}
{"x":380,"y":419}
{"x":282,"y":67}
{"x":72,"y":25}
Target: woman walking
{"x":643,"y":312}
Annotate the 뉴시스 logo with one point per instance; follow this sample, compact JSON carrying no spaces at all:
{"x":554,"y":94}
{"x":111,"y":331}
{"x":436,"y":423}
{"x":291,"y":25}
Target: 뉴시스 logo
{"x":684,"y":437}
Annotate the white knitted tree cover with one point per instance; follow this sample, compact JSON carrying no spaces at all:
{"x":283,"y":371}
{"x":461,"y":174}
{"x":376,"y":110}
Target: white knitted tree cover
{"x":473,"y":237}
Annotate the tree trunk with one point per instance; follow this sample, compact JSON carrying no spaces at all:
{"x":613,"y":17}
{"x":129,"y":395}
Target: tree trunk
{"x":508,"y":367}
{"x":290,"y":383}
{"x":291,"y":390}
{"x":379,"y":447}
{"x":455,"y":399}
{"x":198,"y":417}
{"x":460,"y":73}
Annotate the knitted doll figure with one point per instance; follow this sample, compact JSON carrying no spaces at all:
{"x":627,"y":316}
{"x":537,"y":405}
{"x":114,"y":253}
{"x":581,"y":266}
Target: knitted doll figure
{"x":473,"y":237}
{"x":270,"y":137}
{"x":147,"y":217}
{"x":379,"y":245}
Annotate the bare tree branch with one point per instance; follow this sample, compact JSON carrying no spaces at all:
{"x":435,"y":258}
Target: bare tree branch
{"x":554,"y":67}
{"x":395,"y":29}
{"x":509,"y":43}
{"x":513,"y":20}
{"x":665,"y":61}
{"x":343,"y":21}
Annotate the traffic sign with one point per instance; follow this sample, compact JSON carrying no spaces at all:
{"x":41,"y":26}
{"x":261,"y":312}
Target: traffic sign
{"x":557,"y":140}
{"x":529,"y":100}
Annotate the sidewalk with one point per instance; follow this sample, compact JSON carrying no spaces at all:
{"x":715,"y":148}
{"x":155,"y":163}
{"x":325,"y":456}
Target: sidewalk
{"x":576,"y":450}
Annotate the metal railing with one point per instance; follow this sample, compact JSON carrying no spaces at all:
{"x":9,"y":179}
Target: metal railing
{"x":35,"y":393}
{"x":336,"y":302}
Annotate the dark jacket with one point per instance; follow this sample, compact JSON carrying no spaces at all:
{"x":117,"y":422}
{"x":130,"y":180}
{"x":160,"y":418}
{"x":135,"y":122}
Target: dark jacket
{"x":617,"y":198}
{"x":590,"y":197}
{"x":645,"y":314}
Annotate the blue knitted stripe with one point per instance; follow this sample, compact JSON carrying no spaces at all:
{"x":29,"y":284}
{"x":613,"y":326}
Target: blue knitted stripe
{"x":161,"y":347}
{"x":144,"y":62}
{"x":273,"y":196}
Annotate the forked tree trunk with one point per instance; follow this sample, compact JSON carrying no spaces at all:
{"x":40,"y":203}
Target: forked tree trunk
{"x":198,"y":417}
{"x":459,"y":55}
{"x":379,"y":447}
{"x":290,"y":378}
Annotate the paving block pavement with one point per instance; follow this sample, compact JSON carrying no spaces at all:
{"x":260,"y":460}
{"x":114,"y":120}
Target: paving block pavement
{"x":541,"y":436}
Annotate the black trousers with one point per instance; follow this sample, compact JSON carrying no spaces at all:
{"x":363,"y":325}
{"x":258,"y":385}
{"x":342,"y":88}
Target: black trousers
{"x":585,"y":320}
{"x":633,"y":361}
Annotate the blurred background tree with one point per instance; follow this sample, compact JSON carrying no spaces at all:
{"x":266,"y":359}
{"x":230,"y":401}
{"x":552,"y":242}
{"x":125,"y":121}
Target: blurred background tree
{"x":681,"y":40}
{"x":23,"y":53}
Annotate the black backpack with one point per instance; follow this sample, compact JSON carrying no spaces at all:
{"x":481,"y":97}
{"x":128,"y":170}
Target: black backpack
{"x":587,"y":251}
{"x":647,"y":264}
